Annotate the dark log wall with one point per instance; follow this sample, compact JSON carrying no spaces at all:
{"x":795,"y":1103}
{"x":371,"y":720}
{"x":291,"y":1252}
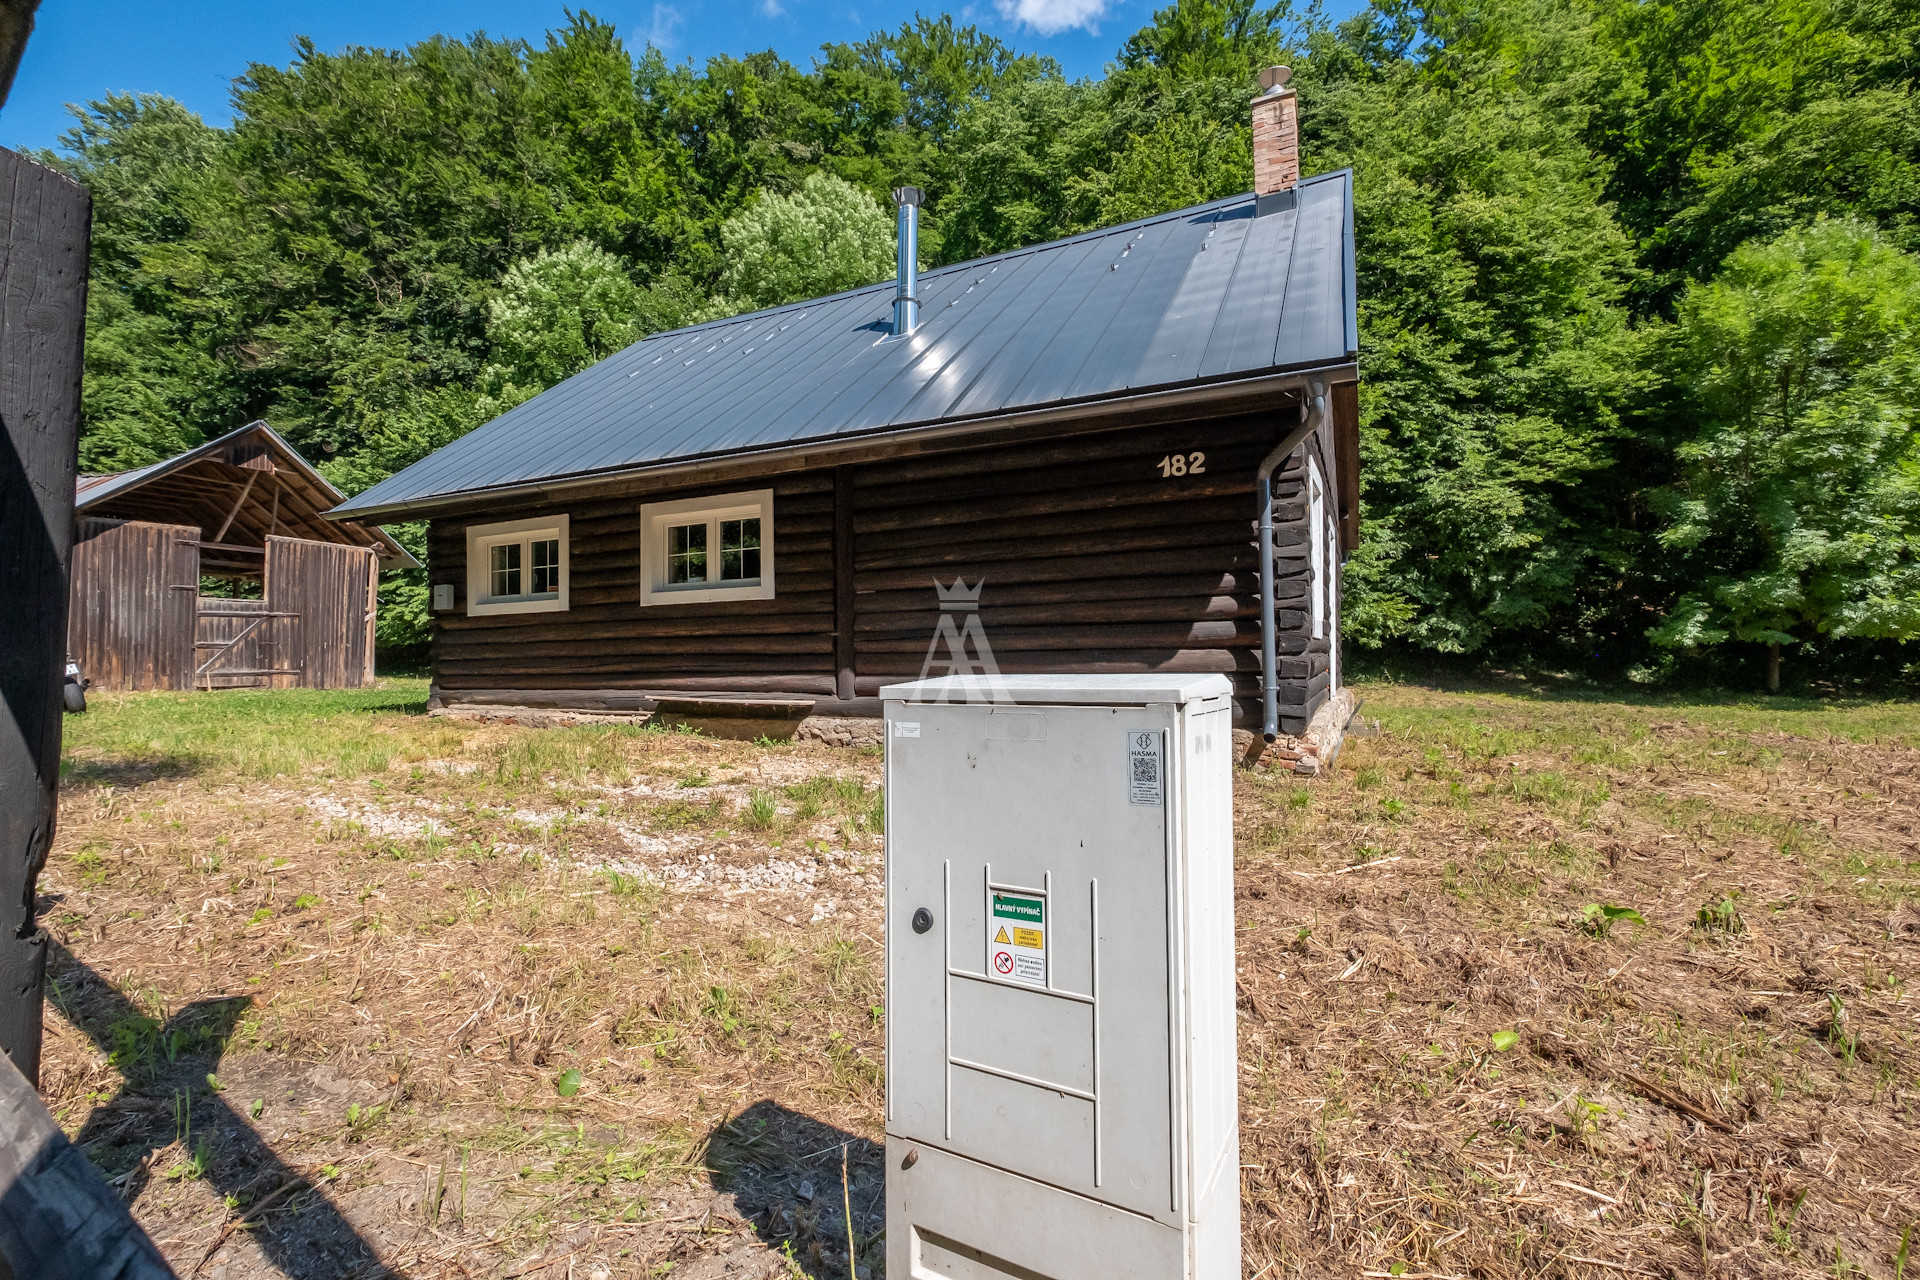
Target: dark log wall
{"x":606,"y":639}
{"x":1093,"y":561}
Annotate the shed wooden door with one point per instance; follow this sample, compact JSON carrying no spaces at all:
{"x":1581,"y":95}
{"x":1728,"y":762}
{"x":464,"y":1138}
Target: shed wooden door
{"x":236,"y":645}
{"x":331,"y":588}
{"x":131,"y":625}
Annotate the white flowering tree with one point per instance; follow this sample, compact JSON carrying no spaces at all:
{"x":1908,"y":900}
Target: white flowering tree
{"x":827,"y":236}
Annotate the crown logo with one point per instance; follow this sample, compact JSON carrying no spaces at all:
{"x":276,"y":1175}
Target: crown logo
{"x":959,"y":595}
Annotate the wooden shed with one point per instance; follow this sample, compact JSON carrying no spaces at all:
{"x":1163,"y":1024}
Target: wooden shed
{"x":217,"y":569}
{"x":1065,"y":455}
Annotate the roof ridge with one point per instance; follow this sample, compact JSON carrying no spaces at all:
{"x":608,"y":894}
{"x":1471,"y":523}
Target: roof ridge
{"x":1209,"y":206}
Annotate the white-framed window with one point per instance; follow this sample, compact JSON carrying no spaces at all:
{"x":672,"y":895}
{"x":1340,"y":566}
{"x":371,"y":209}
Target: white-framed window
{"x":519,"y":566}
{"x":717,"y":548}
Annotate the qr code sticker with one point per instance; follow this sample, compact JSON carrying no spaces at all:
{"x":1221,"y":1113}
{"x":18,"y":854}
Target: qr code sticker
{"x":1143,"y":767}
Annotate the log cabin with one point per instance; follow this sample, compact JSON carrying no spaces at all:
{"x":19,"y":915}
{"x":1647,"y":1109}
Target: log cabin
{"x":1098,"y":452}
{"x":218,"y":569}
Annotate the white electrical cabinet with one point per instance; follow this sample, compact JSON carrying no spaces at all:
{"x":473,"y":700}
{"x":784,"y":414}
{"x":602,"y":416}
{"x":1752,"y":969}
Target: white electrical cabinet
{"x":1060,"y":979}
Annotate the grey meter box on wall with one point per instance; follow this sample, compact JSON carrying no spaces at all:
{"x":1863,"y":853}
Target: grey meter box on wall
{"x":1060,"y":1013}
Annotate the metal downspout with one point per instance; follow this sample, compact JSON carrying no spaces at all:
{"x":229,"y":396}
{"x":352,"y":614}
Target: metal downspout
{"x":1312,"y":413}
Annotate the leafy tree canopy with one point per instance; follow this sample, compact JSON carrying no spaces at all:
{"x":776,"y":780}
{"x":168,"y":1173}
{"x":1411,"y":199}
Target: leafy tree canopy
{"x":1635,"y":326}
{"x":1798,"y":501}
{"x":825,"y":237}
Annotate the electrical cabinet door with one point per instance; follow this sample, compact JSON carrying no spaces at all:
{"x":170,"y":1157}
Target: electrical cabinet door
{"x":1029,"y":1026}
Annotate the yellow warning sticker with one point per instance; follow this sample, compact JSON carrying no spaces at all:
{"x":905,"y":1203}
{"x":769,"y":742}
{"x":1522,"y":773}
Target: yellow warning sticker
{"x":1017,"y":950}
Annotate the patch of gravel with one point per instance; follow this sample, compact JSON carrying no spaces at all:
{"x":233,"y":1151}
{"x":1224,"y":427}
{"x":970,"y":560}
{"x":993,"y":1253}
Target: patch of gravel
{"x":375,"y":819}
{"x":776,"y":876}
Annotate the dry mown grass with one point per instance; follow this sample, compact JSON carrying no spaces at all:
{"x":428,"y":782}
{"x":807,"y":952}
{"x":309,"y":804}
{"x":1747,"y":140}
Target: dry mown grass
{"x":389,"y":941}
{"x":1454,"y":1063}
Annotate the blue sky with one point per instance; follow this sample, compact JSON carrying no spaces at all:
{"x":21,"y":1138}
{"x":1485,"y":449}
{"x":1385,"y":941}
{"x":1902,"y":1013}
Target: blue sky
{"x":192,"y":50}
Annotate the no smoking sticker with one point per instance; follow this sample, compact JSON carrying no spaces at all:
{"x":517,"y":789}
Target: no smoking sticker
{"x":1017,"y":938}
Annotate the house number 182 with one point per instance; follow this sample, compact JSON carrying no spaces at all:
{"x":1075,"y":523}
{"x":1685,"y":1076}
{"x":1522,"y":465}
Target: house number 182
{"x":1183,"y":464}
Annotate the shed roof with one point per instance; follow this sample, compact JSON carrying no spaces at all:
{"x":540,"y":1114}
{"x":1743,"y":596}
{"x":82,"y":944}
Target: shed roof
{"x":218,"y":486}
{"x":1207,"y":296}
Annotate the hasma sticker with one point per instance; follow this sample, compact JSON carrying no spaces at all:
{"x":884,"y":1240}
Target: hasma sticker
{"x":1143,"y":767}
{"x":1017,"y":938}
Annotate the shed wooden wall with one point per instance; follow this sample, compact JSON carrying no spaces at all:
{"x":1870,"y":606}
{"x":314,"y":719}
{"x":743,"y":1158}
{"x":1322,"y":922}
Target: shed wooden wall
{"x":225,"y":630}
{"x":131,"y":620}
{"x":1092,"y":560}
{"x":137,"y":619}
{"x":326,"y":592}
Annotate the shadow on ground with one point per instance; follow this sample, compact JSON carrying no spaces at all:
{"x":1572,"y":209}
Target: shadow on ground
{"x":169,"y":1120}
{"x":783,"y":1169}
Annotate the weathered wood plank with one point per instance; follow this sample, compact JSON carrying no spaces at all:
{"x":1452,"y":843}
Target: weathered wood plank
{"x":58,"y":1219}
{"x":43,"y":305}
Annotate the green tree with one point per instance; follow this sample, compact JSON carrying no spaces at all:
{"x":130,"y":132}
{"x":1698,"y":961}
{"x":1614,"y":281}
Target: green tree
{"x":149,"y":383}
{"x":1736,"y":119}
{"x":565,"y":309}
{"x":1798,"y":509}
{"x":826,"y":237}
{"x":1184,"y":161}
{"x":1014,"y":161}
{"x":1496,"y":353}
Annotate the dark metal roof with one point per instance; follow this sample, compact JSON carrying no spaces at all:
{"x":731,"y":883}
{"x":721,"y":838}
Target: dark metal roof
{"x":1207,"y":295}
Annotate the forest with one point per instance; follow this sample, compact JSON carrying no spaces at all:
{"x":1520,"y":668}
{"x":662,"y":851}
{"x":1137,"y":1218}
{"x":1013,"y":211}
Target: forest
{"x":1639,"y":279}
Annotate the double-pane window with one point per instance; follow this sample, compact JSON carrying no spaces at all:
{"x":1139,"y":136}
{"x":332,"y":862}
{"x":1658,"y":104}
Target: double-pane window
{"x":517,"y":567}
{"x":506,"y":570}
{"x":546,"y":567}
{"x":718,"y":548}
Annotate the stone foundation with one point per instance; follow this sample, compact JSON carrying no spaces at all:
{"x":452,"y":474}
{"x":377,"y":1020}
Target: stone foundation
{"x":832,"y":731}
{"x":1307,"y":753}
{"x":843,"y":731}
{"x":536,"y":717}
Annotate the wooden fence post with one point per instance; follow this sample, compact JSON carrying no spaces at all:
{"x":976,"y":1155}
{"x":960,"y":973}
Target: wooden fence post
{"x":44,"y":226}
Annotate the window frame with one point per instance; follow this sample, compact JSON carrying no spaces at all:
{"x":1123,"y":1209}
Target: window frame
{"x":482,"y":538}
{"x":657,"y":517}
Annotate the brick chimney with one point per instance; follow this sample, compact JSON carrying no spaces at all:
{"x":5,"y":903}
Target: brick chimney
{"x":1276,"y":134}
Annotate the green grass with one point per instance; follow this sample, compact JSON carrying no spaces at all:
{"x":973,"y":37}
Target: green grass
{"x":254,"y":733}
